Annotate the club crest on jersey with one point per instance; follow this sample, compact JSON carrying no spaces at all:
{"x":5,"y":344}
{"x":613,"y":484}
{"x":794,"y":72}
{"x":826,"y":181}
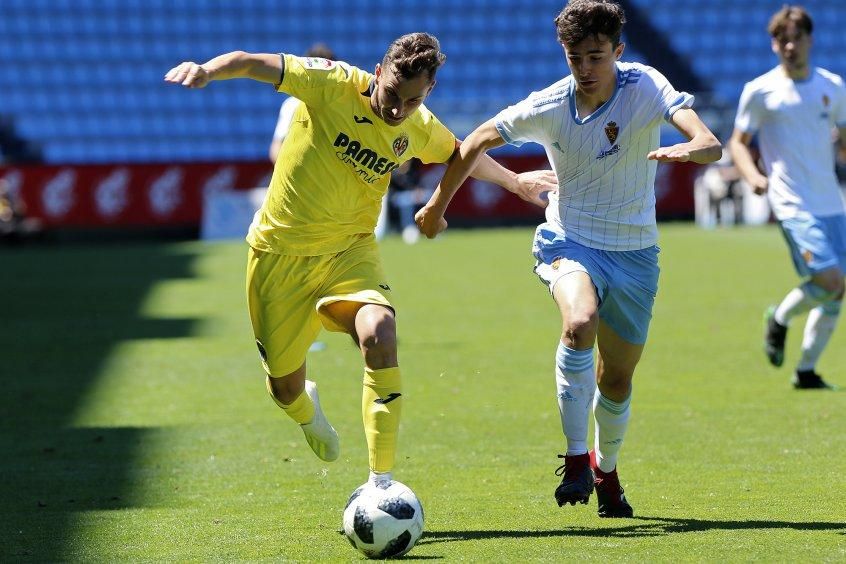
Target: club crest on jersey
{"x":400,"y":145}
{"x":318,"y":63}
{"x":807,"y":256}
{"x":826,"y":102}
{"x":611,"y":131}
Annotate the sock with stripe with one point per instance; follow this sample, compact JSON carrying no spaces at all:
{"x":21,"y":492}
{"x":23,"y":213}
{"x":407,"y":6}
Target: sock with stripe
{"x":612,"y":420}
{"x":381,"y":407}
{"x":575,"y":381}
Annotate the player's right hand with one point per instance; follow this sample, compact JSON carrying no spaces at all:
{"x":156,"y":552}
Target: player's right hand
{"x":188,"y":74}
{"x":429,"y":222}
{"x":760,"y":184}
{"x":534,"y":186}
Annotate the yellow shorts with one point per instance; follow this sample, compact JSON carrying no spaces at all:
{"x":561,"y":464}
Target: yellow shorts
{"x":286,"y":295}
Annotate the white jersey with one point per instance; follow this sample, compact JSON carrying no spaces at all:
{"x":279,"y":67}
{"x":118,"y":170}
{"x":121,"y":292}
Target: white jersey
{"x":286,"y":116}
{"x":606,"y":197}
{"x":794,"y":121}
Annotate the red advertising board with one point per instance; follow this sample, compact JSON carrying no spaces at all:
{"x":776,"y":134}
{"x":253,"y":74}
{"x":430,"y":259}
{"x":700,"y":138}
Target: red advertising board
{"x":126,"y":195}
{"x":172,"y":194}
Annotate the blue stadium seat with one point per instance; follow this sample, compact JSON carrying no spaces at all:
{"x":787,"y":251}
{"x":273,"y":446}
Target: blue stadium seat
{"x":84,"y":77}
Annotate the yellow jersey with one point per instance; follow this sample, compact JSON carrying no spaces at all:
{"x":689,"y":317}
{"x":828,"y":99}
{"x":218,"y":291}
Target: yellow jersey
{"x":334,"y":166}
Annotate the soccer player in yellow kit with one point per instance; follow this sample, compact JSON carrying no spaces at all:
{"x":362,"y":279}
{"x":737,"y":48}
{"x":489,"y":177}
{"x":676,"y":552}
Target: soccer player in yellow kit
{"x":313,"y":260}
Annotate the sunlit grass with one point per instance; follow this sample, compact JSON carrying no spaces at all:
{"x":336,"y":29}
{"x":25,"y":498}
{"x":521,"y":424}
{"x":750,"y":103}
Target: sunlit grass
{"x":137,"y":426}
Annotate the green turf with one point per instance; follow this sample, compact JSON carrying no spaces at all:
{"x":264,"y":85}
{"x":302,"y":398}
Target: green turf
{"x":136,"y":425}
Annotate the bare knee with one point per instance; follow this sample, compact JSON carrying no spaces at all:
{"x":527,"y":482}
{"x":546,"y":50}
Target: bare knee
{"x":579,"y":330}
{"x":616,"y":388}
{"x":377,"y":335}
{"x":831,"y":281}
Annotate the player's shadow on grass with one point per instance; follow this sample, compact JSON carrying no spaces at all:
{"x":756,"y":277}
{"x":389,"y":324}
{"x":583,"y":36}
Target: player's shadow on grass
{"x":648,"y":527}
{"x":63,"y":312}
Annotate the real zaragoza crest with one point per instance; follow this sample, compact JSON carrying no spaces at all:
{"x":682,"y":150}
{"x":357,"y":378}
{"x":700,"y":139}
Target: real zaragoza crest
{"x":400,"y":145}
{"x":611,"y":131}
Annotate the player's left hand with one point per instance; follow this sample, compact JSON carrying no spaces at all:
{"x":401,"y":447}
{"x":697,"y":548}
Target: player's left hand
{"x":534,"y":186}
{"x":430,"y":222}
{"x":677,"y":153}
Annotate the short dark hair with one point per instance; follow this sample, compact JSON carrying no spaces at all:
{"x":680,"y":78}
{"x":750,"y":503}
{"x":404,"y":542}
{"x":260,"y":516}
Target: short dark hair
{"x":581,"y":19}
{"x":414,"y":54}
{"x":320,"y":50}
{"x":787,"y":14}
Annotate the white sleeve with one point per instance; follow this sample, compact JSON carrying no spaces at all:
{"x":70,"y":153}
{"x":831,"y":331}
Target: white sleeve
{"x":748,"y":119}
{"x":519,"y":123}
{"x":668,"y":100}
{"x":286,"y":116}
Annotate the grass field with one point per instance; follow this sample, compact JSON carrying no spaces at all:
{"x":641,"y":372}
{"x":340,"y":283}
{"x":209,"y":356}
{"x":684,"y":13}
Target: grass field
{"x":135,"y":424}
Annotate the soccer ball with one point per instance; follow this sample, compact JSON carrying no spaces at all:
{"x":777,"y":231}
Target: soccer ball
{"x":383,"y":520}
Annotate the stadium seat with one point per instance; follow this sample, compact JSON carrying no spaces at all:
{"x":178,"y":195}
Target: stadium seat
{"x":92,"y":69}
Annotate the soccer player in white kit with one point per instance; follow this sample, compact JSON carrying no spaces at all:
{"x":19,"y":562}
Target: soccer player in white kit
{"x":597,"y":250}
{"x":794,"y":109}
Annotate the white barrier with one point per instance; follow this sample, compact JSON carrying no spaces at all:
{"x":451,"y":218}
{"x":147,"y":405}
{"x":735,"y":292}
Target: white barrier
{"x":227,"y":214}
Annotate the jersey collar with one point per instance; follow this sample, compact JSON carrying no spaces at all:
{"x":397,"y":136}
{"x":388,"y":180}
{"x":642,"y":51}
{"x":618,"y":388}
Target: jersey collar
{"x":601,"y":109}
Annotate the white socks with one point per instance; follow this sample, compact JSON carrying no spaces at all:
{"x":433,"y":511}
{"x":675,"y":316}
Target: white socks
{"x":798,"y":300}
{"x":612,"y":420}
{"x":818,"y":330}
{"x":575,"y":380}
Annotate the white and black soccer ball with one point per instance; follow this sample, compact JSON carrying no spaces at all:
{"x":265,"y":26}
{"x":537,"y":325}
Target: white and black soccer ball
{"x":383,"y":520}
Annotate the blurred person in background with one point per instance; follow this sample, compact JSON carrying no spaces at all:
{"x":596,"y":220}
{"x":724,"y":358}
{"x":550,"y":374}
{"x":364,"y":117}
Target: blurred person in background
{"x":289,"y":106}
{"x":793,"y":109}
{"x":407,"y":195}
{"x":719,"y":193}
{"x":283,"y":125}
{"x":15,"y":226}
{"x":313,"y":261}
{"x":597,"y":252}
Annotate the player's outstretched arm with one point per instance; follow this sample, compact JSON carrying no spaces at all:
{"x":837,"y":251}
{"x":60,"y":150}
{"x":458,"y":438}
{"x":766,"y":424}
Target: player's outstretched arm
{"x":532,"y":186}
{"x":263,"y":67}
{"x":703,"y":147}
{"x":430,"y":219}
{"x":738,"y":147}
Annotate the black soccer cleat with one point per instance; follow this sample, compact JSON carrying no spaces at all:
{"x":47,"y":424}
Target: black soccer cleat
{"x":577,"y":481}
{"x":774,"y":336}
{"x":809,"y":380}
{"x":609,"y":492}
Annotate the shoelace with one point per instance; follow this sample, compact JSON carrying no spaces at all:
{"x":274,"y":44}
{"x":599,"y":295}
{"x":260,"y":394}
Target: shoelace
{"x":560,"y":470}
{"x":563,"y":470}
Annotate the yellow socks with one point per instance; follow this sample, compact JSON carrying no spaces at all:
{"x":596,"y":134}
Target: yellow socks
{"x":300,"y":410}
{"x":381,"y":407}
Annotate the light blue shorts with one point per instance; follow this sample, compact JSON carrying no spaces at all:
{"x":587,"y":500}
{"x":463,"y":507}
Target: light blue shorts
{"x":816,"y":243}
{"x":626,"y":281}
